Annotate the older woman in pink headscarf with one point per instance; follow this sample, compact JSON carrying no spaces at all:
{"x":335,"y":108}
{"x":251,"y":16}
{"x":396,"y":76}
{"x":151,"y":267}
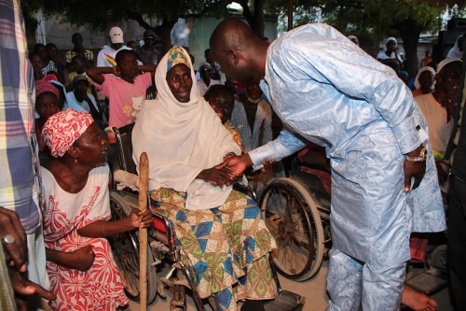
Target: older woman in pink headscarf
{"x":80,"y":263}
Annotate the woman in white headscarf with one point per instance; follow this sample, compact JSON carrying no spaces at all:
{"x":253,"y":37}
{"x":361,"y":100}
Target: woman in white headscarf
{"x":457,"y":49}
{"x":222,"y":234}
{"x":424,"y":81}
{"x":391,"y":51}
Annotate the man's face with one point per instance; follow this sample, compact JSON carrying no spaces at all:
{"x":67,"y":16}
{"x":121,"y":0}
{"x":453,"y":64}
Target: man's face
{"x":80,"y":87}
{"x":232,"y":65}
{"x":79,"y":65}
{"x":78,"y":40}
{"x":205,"y":71}
{"x":52,"y":51}
{"x":149,"y":41}
{"x":391,"y":46}
{"x":37,"y":63}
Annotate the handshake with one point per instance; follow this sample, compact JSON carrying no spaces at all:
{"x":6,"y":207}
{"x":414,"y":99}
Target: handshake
{"x":227,"y":172}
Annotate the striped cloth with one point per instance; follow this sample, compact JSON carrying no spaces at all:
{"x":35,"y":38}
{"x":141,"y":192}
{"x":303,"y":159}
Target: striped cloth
{"x":19,"y":182}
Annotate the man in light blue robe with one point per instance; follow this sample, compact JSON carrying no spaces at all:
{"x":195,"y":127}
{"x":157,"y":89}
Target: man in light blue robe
{"x":328,"y":91}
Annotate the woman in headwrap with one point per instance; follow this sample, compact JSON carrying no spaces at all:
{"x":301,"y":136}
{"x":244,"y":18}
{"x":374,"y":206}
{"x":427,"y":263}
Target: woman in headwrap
{"x":391,"y":50}
{"x":424,"y":81}
{"x":80,"y":264}
{"x":457,"y":49}
{"x":222,"y":234}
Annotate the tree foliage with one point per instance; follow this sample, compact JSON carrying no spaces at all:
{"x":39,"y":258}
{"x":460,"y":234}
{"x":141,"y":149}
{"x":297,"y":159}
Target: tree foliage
{"x":371,"y":20}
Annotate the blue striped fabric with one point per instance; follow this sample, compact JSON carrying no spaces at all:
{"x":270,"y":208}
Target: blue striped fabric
{"x":19,"y":173}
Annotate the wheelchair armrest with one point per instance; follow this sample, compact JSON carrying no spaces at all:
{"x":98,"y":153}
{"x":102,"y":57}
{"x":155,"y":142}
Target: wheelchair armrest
{"x":124,"y":179}
{"x":245,"y":189}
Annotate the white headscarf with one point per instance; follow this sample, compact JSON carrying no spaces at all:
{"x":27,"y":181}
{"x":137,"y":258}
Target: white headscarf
{"x":182,"y":139}
{"x":455,"y":50}
{"x":417,"y":84}
{"x":447,"y":61}
{"x":391,"y":39}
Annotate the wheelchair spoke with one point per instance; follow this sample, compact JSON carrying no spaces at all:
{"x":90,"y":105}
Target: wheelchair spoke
{"x":287,"y":216}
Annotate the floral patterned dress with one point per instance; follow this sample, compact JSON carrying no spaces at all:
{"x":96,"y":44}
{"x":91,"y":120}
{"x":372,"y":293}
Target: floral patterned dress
{"x":100,"y":287}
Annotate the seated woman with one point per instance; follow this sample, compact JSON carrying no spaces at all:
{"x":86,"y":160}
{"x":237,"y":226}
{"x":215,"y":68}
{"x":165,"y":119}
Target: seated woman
{"x":80,"y":263}
{"x":223,"y":236}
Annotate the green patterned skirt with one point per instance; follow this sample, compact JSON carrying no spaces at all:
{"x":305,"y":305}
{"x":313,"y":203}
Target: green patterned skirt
{"x":226,"y":247}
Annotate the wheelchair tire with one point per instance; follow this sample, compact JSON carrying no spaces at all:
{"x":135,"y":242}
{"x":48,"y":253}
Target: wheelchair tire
{"x":125,"y":249}
{"x":292,"y":217}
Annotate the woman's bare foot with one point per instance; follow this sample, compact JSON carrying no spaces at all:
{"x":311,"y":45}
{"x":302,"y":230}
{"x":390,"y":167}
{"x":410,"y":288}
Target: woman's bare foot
{"x":416,"y":300}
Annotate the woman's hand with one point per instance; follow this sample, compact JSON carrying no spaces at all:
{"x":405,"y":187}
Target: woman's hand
{"x":139,"y":219}
{"x":82,"y":258}
{"x":217,"y":176}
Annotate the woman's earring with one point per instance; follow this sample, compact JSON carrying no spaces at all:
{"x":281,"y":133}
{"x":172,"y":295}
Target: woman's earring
{"x":75,"y":161}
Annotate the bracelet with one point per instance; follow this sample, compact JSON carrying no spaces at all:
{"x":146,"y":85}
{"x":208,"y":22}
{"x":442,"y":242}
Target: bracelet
{"x":420,"y":158}
{"x":103,"y":228}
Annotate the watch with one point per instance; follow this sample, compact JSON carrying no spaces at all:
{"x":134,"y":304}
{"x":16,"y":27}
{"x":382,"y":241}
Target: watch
{"x":420,"y":158}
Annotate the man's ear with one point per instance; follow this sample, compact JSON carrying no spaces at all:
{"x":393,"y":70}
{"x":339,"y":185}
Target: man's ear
{"x":234,"y":56}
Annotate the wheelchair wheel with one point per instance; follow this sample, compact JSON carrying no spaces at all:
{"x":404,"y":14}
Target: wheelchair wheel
{"x":125,"y":248}
{"x":293,"y":219}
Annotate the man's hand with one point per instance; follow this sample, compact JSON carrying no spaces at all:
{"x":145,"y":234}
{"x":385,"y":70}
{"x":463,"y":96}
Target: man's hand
{"x":414,"y":170}
{"x":23,"y":287}
{"x":236,"y":165}
{"x":16,"y":251}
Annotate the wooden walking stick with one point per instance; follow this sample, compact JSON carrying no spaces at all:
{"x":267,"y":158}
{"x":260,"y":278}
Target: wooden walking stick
{"x":143,"y":185}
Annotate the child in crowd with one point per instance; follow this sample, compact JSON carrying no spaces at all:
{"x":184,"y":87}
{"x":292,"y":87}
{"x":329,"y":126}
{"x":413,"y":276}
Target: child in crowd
{"x":79,"y":66}
{"x":132,"y":45}
{"x":46,"y":106}
{"x":222,"y":101}
{"x":37,"y":66}
{"x":80,"y":100}
{"x":52,"y":52}
{"x":124,"y":86}
{"x":47,"y":64}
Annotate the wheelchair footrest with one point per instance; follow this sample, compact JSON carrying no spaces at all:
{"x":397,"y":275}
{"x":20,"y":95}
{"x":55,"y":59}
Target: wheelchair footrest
{"x":285,"y":301}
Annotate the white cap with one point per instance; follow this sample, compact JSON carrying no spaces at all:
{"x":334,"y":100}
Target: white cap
{"x":116,"y":35}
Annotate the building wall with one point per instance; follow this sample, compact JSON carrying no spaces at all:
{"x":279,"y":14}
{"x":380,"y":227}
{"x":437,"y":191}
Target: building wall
{"x":201,"y":29}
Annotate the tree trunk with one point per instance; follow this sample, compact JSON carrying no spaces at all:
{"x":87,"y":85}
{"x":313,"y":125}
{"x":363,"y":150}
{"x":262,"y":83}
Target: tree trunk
{"x":255,"y":19}
{"x":163,"y":30}
{"x":410,"y":32}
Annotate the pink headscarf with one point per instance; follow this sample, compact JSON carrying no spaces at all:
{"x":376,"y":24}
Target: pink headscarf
{"x":43,"y":86}
{"x":63,"y":128}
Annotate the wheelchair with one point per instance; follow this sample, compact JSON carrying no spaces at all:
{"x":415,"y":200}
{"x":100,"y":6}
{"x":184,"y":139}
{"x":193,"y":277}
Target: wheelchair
{"x":161,"y":240}
{"x":297,"y":213}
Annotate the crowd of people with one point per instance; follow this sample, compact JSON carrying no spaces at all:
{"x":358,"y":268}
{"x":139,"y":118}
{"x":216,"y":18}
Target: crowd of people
{"x":390,"y":151}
